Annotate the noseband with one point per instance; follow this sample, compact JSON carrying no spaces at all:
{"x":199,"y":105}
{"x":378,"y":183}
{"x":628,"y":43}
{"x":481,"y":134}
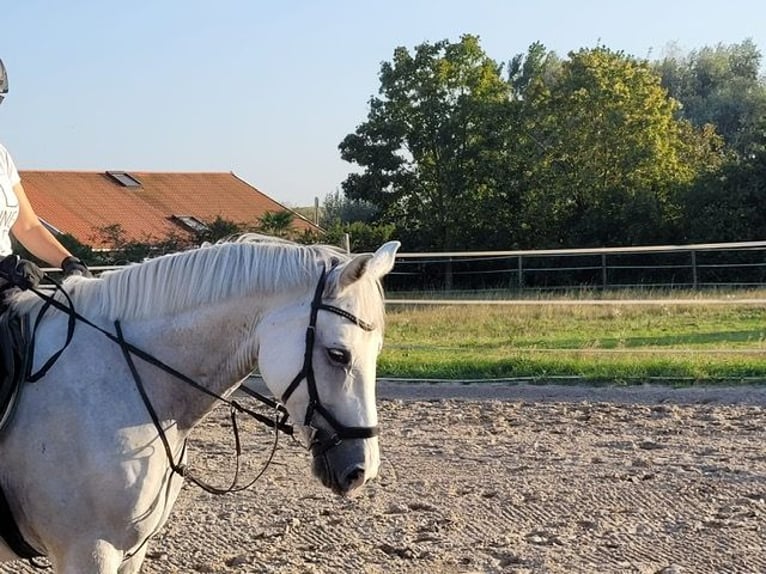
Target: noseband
{"x":320,"y":444}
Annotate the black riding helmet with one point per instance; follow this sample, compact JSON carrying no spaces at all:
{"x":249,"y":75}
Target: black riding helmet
{"x":3,"y":82}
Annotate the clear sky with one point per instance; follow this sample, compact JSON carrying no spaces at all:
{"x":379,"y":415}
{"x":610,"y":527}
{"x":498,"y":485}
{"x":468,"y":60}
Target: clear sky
{"x":268,"y":89}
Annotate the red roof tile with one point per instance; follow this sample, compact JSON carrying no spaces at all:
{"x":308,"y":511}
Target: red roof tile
{"x":80,"y":203}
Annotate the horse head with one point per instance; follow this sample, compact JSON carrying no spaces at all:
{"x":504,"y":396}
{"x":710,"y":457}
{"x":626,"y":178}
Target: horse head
{"x":319,"y":355}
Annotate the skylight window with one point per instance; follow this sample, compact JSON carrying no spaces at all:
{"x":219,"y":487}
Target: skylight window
{"x":124,"y":178}
{"x":191,"y":223}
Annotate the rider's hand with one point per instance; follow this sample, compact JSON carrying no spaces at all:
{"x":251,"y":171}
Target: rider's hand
{"x":20,"y":272}
{"x":71,"y":265}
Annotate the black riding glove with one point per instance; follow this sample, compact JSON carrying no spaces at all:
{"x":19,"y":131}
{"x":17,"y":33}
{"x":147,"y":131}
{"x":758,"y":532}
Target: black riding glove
{"x":19,"y":272}
{"x":73,"y":266}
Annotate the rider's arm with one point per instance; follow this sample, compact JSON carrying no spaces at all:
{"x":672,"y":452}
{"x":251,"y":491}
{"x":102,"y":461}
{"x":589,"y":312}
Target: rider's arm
{"x":33,"y":235}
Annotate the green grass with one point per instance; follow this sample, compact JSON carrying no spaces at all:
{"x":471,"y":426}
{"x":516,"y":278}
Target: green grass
{"x":629,"y":343}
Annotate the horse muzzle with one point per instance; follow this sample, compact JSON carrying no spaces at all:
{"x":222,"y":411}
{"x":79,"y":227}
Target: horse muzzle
{"x":342,"y":464}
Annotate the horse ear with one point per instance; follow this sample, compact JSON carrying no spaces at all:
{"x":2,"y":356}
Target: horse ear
{"x":383,"y":260}
{"x":353,"y":270}
{"x":376,"y":264}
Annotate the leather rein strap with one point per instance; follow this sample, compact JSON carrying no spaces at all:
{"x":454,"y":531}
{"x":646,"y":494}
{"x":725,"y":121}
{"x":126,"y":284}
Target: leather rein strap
{"x":280,"y":425}
{"x":278,"y":422}
{"x":9,"y":530}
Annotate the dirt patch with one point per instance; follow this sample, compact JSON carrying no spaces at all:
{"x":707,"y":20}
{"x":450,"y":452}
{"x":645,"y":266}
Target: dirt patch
{"x":544,"y":480}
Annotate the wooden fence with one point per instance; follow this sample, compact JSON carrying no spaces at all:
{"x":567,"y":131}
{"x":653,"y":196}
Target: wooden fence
{"x":698,"y":266}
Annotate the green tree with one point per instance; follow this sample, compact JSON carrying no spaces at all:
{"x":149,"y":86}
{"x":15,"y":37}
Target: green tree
{"x":426,"y":150}
{"x":722,"y":86}
{"x":727,"y":205}
{"x":124,"y":250}
{"x":339,"y":209}
{"x":218,"y":229}
{"x":363,"y":237}
{"x":278,"y":223}
{"x":611,"y":156}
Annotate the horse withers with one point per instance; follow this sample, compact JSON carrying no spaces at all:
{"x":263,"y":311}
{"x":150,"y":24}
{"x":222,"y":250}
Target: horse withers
{"x":85,"y":470}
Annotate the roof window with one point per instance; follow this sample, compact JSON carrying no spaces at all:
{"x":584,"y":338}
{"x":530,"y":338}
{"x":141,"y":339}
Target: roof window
{"x":124,"y":178}
{"x":191,"y":223}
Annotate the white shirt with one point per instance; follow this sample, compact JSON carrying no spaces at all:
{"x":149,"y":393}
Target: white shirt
{"x":9,"y":203}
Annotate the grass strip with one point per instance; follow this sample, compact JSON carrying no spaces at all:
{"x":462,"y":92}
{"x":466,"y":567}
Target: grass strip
{"x":592,"y":343}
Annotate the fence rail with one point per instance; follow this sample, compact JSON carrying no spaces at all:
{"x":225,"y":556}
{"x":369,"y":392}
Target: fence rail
{"x":509,"y":277}
{"x":576,"y":302}
{"x":697,"y":266}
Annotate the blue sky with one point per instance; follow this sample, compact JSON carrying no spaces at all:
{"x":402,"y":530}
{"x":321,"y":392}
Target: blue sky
{"x":268,"y":89}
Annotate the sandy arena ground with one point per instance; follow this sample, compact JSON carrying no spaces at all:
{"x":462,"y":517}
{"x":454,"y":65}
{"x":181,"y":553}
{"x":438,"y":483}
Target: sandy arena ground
{"x":497,"y":478}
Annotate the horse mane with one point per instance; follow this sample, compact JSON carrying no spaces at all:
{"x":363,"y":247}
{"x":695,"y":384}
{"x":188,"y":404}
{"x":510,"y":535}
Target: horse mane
{"x":172,"y":283}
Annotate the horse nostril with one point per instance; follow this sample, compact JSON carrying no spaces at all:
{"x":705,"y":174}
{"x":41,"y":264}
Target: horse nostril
{"x":354,"y":478}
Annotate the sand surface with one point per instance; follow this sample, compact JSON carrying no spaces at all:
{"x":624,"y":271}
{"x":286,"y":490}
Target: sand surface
{"x":496,"y":478}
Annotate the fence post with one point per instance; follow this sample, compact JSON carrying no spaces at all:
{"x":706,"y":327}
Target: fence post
{"x":603,"y":272}
{"x":448,"y":274}
{"x":695,"y":282}
{"x":521,"y":274}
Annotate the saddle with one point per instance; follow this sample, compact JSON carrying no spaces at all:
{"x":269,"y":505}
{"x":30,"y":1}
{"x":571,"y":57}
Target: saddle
{"x":14,"y":354}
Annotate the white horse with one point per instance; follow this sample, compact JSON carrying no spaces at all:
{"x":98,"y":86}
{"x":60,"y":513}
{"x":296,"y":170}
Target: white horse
{"x":85,"y":471}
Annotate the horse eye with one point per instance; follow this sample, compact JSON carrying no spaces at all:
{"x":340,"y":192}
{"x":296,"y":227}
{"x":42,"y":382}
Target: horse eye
{"x":339,"y":356}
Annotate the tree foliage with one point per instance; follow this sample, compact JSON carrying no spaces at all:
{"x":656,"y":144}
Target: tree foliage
{"x":362,"y":237}
{"x":427,"y":148}
{"x":127,"y":250}
{"x":727,"y":205}
{"x":721,"y":86}
{"x":459,"y":152}
{"x":277,"y":223}
{"x":586,"y":150}
{"x":611,"y":155}
{"x":338,"y":209}
{"x":124,"y":249}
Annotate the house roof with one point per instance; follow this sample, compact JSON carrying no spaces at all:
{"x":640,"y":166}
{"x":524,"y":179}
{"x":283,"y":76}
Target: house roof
{"x":80,"y":203}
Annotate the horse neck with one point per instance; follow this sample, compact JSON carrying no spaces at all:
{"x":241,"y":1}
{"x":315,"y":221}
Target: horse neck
{"x":216,"y":346}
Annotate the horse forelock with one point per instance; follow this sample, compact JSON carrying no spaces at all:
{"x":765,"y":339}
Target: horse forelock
{"x":174,"y":283}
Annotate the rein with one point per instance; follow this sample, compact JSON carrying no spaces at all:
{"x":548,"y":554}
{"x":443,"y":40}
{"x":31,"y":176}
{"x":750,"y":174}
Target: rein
{"x":318,"y":445}
{"x":278,"y":422}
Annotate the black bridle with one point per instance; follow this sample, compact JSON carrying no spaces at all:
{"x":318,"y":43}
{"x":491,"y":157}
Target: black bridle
{"x":322,"y":440}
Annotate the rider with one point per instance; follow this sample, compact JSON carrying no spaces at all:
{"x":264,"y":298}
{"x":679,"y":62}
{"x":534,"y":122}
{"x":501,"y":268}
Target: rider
{"x":18,"y":217}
